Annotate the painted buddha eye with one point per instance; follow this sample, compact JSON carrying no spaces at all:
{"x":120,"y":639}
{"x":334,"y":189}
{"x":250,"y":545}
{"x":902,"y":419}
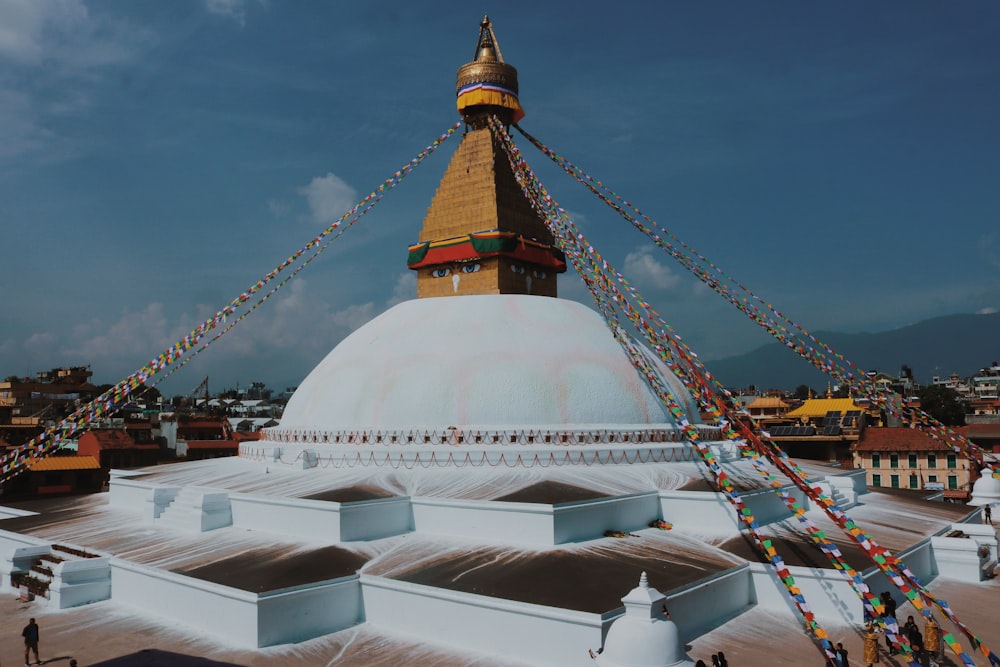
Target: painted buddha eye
{"x":517,"y":268}
{"x":441,"y":273}
{"x":471,"y":268}
{"x":538,"y":273}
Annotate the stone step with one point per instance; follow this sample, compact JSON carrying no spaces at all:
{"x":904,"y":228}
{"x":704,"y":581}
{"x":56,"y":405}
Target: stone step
{"x":197,"y":509}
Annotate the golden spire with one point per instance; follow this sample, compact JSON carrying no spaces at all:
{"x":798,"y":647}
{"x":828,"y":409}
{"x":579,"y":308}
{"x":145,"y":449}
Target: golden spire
{"x":487,"y":85}
{"x":481,"y":234}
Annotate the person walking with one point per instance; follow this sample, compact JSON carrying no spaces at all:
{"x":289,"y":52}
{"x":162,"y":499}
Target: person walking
{"x":988,"y":514}
{"x":889,"y":614}
{"x":30,"y":634}
{"x":841,"y":654}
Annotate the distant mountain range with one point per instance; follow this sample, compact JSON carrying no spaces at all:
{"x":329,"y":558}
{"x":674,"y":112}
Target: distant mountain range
{"x":961,"y":344}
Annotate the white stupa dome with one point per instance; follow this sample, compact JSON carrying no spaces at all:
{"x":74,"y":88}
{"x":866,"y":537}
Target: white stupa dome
{"x":490,"y":361}
{"x":986,"y":490}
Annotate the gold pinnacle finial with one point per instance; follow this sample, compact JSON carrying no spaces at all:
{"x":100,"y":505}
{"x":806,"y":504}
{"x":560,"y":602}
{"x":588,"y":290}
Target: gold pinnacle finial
{"x":487,"y":47}
{"x":487,"y":85}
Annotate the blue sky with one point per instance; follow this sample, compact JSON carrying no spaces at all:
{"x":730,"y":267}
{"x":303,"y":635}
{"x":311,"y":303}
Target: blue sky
{"x":839,"y":159}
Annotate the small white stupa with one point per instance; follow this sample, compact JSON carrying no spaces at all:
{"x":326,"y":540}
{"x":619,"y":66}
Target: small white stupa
{"x":645,"y":636}
{"x":986,"y":490}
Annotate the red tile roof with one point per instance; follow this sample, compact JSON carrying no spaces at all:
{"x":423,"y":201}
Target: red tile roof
{"x":881,"y":439}
{"x":109,"y":439}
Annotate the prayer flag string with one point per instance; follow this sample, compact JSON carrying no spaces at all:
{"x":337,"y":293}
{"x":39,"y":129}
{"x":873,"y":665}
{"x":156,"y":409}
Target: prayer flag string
{"x":718,"y":401}
{"x":792,"y":335}
{"x":19,"y":459}
{"x":579,"y":253}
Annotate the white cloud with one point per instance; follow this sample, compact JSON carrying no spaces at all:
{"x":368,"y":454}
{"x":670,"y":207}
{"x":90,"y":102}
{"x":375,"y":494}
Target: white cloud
{"x":279,"y":209}
{"x":19,"y":130}
{"x":231,"y":9}
{"x":134,"y":339}
{"x":51,"y":53}
{"x":63,"y":35}
{"x":646,"y":270}
{"x":29,"y":28}
{"x":405,"y":288}
{"x":989,"y":310}
{"x":329,"y":197}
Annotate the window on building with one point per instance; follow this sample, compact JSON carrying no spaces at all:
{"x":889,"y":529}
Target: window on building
{"x":876,"y":480}
{"x":876,"y":460}
{"x":893,"y":460}
{"x":894,"y":481}
{"x":952,"y":461}
{"x":932,"y":479}
{"x":952,"y":481}
{"x":932,"y":460}
{"x":914,"y":481}
{"x":911,"y":460}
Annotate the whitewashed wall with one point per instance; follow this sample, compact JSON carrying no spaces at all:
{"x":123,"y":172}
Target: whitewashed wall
{"x":826,"y":592}
{"x":703,"y":512}
{"x":239,"y":617}
{"x":531,"y":633}
{"x":298,"y":614}
{"x":128,"y":493}
{"x":529,"y":523}
{"x":338,"y":522}
{"x":706,"y":605}
{"x":80,"y":582}
{"x":481,"y":519}
{"x":829,"y":594}
{"x":587,"y":520}
{"x":17,"y":553}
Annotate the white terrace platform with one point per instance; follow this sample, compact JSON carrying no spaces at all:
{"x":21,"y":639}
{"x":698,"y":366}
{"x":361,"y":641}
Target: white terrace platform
{"x":260,"y":557}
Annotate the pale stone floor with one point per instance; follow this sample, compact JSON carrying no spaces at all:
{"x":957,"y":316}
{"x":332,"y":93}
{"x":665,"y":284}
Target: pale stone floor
{"x":107,"y":631}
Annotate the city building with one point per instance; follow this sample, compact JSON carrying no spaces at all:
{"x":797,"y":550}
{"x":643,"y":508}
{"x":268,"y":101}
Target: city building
{"x":59,"y":475}
{"x":27,"y":406}
{"x":114,"y":448}
{"x":907,"y":458}
{"x":768,"y":410}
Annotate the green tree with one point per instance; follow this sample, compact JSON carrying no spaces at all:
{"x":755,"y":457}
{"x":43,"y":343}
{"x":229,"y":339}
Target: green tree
{"x":943,"y":404}
{"x":803,"y":391}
